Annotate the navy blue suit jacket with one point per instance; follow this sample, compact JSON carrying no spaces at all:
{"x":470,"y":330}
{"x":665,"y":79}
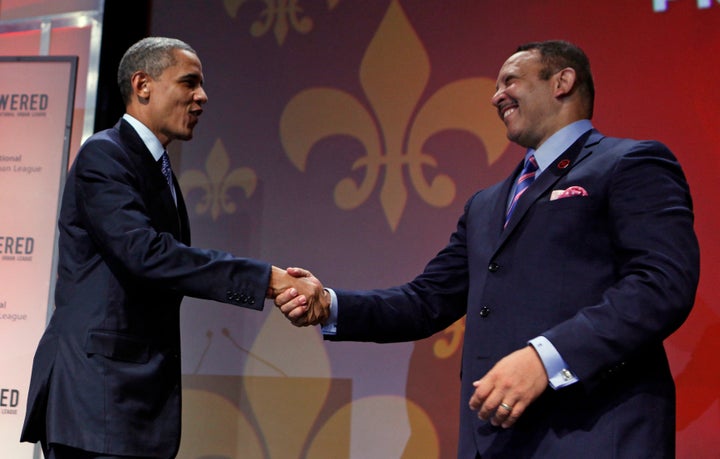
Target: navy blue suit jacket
{"x":605,"y":277}
{"x":106,"y":374}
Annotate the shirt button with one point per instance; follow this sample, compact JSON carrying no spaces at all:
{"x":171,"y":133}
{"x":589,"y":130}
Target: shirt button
{"x":484,"y":312}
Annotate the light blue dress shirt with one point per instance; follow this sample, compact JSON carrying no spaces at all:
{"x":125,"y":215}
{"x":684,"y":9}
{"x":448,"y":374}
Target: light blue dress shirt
{"x":559,"y":375}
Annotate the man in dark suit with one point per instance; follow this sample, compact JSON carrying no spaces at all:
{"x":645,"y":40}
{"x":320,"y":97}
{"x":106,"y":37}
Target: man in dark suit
{"x":106,"y":375}
{"x":568,"y":290}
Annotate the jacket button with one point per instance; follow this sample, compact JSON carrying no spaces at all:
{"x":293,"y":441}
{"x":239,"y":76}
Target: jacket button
{"x":484,"y":312}
{"x":493,"y":267}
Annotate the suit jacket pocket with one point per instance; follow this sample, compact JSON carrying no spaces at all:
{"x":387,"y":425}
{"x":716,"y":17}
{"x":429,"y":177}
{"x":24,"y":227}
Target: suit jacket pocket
{"x":117,"y":346}
{"x":569,"y":203}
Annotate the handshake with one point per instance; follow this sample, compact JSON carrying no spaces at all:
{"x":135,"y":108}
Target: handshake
{"x":299,"y":295}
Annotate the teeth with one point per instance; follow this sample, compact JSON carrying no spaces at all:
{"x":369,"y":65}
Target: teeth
{"x":507,"y":112}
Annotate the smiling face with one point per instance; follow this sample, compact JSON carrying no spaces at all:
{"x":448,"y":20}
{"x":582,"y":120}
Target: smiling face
{"x":171,"y":104}
{"x":527,"y":104}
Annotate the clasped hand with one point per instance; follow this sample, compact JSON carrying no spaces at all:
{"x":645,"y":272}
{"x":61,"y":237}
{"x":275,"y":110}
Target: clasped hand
{"x":299,"y":295}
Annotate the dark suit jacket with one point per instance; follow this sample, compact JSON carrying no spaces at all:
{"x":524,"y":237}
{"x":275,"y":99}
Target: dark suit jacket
{"x":605,"y":277}
{"x":106,"y":374}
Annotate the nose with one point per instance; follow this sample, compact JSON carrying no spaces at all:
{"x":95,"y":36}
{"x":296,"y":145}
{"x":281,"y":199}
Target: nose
{"x":497,"y":97}
{"x":201,"y":96}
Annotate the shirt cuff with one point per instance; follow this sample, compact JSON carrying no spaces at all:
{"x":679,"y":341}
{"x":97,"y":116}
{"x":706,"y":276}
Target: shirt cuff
{"x":330,"y":325}
{"x":558,"y":373}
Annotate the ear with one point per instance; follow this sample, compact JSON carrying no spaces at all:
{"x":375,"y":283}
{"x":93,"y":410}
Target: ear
{"x":564,"y":82}
{"x":140,"y":82}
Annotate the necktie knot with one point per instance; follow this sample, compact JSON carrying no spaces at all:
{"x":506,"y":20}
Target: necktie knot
{"x":526,"y":177}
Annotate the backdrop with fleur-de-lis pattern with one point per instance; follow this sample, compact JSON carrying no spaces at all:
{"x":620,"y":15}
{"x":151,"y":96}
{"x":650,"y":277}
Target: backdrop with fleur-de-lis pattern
{"x":345,"y":137}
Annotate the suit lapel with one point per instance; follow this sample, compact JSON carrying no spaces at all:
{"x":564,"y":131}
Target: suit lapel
{"x":561,"y":166}
{"x":159,"y":198}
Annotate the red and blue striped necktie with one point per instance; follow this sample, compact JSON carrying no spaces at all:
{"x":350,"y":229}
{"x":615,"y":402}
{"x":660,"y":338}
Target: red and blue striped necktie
{"x":526,"y":177}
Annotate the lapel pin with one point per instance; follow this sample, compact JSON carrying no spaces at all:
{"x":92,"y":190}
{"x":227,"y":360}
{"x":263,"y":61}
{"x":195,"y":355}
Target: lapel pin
{"x":563,"y":164}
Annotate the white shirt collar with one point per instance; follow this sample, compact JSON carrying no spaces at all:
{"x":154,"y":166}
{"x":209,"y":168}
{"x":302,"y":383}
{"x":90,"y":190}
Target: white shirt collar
{"x":151,"y":142}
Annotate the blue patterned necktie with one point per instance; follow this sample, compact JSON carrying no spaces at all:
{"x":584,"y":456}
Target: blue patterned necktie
{"x":167,"y":172}
{"x":527,"y":176}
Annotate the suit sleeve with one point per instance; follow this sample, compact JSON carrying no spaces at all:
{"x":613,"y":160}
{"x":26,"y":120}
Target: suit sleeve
{"x":656,"y":258}
{"x":113,"y":200}
{"x":426,"y":305}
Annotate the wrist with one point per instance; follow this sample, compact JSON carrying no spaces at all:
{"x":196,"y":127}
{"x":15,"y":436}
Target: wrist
{"x":272,"y":288}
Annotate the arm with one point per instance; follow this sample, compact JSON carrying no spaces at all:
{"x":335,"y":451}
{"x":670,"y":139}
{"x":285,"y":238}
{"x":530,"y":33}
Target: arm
{"x":122,"y":213}
{"x":654,"y":256}
{"x":428,"y":304}
{"x":657,"y":260}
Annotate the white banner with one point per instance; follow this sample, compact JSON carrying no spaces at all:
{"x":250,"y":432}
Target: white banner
{"x":36,"y":102}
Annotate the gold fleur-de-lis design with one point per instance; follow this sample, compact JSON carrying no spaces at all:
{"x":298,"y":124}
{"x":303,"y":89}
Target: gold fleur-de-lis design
{"x":393,"y":74}
{"x":216,"y":181}
{"x":279,"y":414}
{"x":445,"y":346}
{"x":282,"y":14}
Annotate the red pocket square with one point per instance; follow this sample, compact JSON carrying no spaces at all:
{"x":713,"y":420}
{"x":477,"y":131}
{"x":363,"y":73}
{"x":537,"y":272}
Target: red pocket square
{"x":568,"y":193}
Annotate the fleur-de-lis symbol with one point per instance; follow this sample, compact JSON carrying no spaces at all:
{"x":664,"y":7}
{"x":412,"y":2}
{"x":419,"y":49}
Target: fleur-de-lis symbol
{"x":393,"y":74}
{"x":280,"y":13}
{"x":216,"y":182}
{"x":266,"y":414}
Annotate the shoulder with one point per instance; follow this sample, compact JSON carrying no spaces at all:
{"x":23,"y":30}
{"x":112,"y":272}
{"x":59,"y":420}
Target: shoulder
{"x":616,"y":154}
{"x":100,"y":145}
{"x":620,"y":146}
{"x":118,"y":143}
{"x":105,"y":154}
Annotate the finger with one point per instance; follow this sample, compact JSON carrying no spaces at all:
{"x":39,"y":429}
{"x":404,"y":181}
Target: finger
{"x":482,"y":390}
{"x":299,"y":272}
{"x":299,"y":302}
{"x":507,"y":418}
{"x":503,"y":414}
{"x":311,"y":317}
{"x":476,"y":400}
{"x":317,"y":314}
{"x":286,"y":297}
{"x":295,"y":308}
{"x":489,"y":408}
{"x":300,"y":316}
{"x":513,"y":415}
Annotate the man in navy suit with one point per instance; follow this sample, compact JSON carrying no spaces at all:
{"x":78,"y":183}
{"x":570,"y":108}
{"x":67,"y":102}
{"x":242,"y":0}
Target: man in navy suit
{"x":568,"y":290}
{"x":106,"y":374}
